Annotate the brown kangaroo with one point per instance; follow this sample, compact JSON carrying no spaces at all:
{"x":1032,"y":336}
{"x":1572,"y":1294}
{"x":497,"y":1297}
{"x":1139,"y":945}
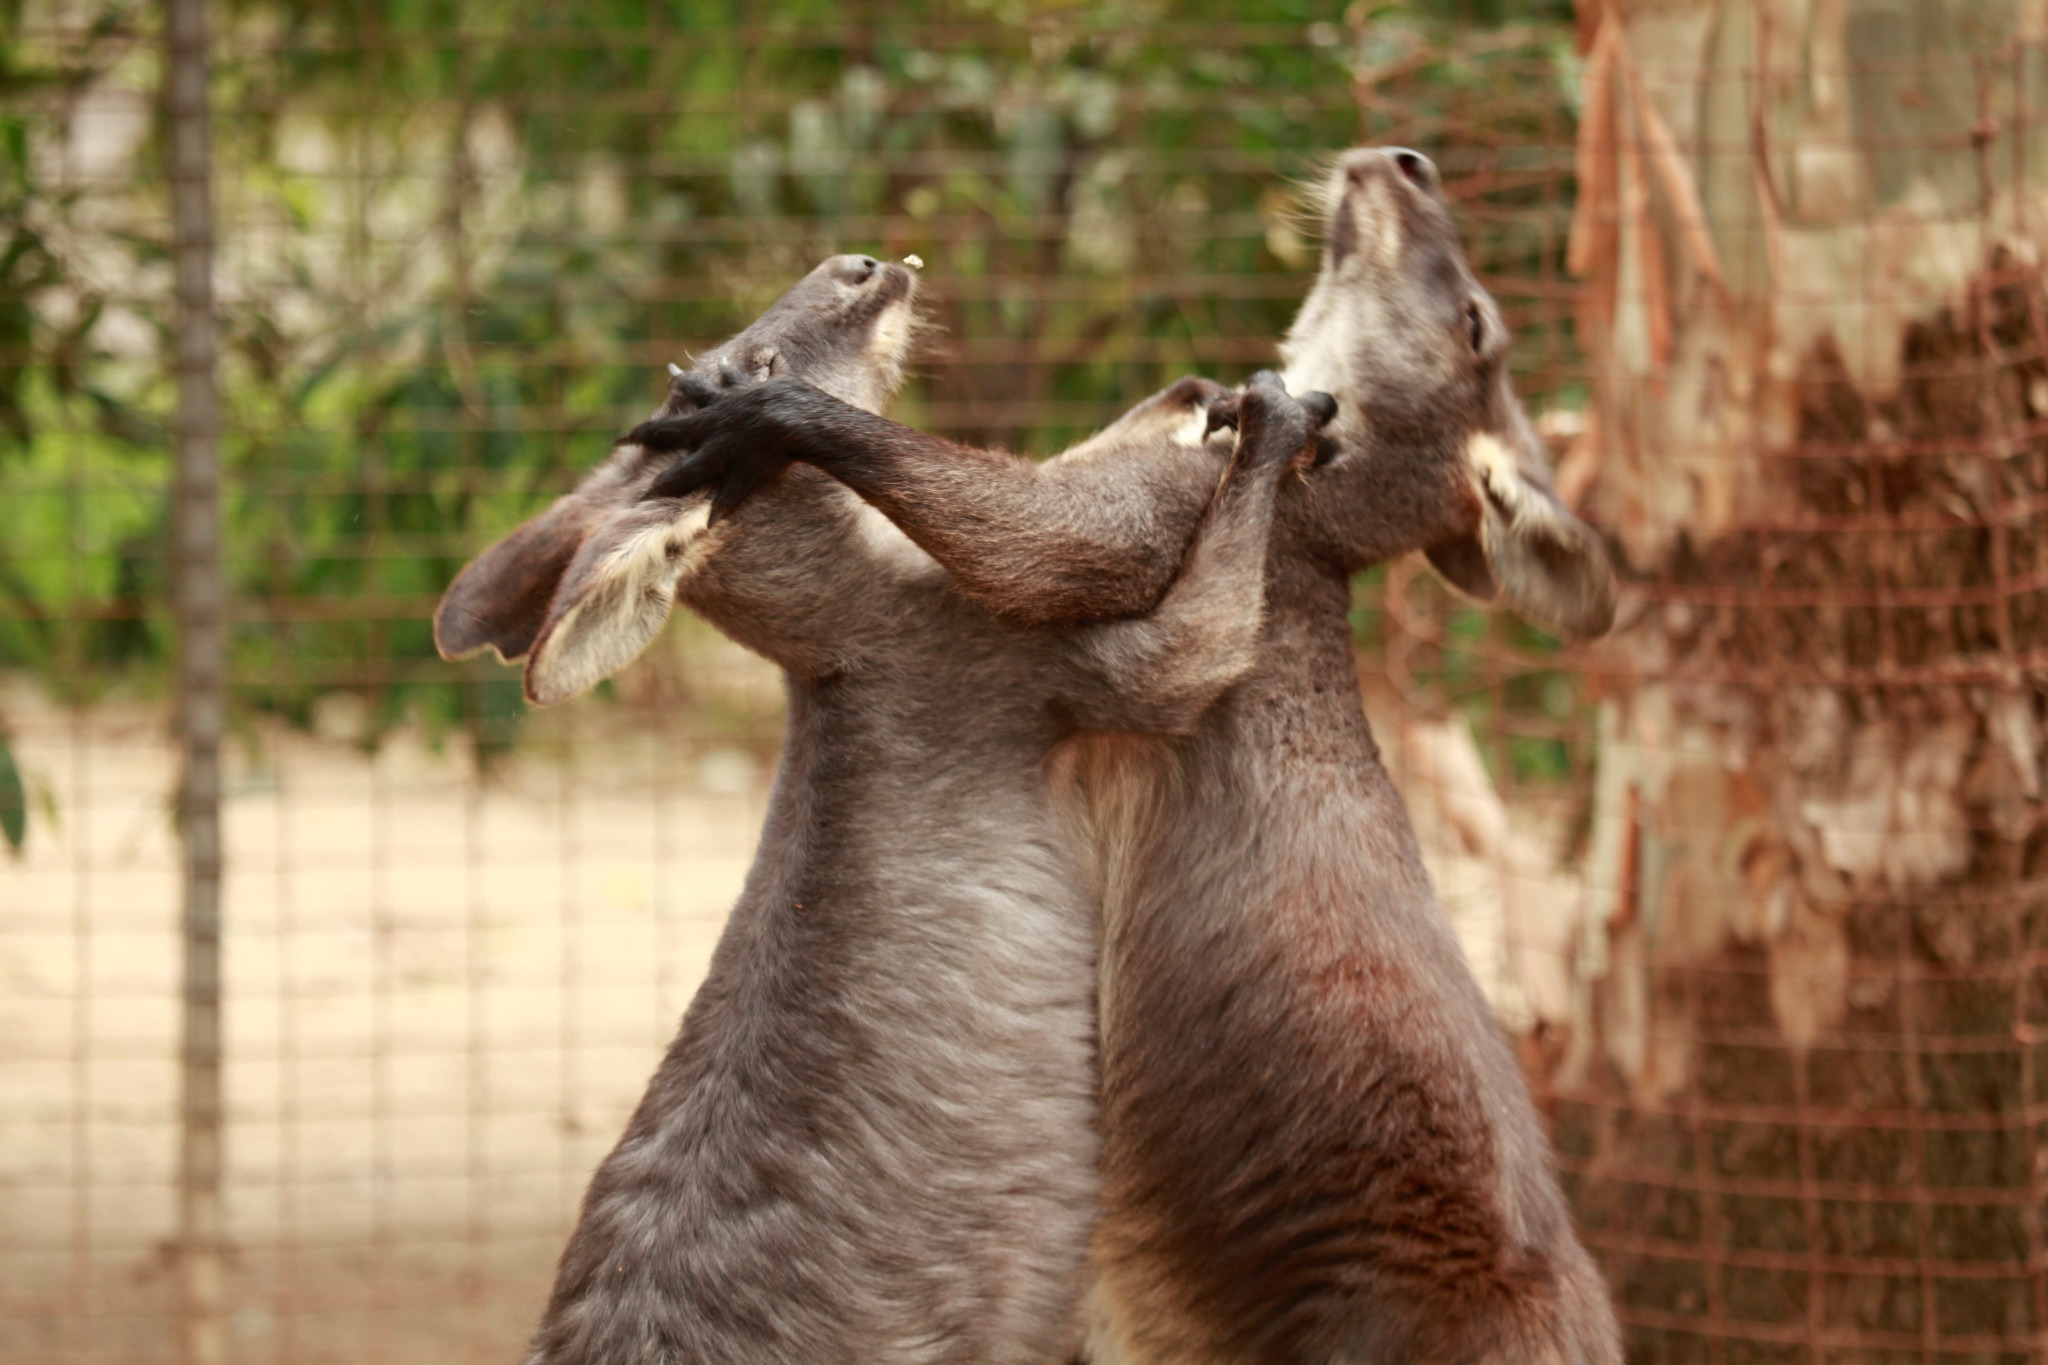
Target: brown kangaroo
{"x":1316,"y":1144}
{"x":874,"y":1137}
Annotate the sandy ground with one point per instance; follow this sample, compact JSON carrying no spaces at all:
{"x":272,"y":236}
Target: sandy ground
{"x":444,"y":996}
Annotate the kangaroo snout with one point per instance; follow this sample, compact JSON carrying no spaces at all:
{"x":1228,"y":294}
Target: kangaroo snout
{"x":1364,"y":163}
{"x":855,"y":270}
{"x":871,"y":278}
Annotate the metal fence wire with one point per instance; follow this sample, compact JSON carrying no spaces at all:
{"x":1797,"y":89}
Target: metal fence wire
{"x":1757,"y":883}
{"x":1802,"y":1102}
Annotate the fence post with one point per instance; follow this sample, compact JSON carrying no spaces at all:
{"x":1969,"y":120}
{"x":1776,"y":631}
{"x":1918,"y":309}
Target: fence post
{"x":202,"y":657}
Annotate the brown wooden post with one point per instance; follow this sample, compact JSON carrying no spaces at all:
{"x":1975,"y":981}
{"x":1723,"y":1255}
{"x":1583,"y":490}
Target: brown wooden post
{"x":202,"y":657}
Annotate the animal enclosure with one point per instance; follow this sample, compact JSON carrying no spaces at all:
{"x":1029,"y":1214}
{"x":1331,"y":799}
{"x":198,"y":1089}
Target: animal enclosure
{"x":1758,"y":883}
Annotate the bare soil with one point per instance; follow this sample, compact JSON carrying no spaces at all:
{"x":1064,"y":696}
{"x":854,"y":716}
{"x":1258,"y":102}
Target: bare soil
{"x":443,"y":997}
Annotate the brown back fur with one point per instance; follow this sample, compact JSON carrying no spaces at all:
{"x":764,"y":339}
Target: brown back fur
{"x":1317,"y":1146}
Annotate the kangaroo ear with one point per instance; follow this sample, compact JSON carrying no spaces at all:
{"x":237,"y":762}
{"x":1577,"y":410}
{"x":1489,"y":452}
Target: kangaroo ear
{"x":613,"y":598}
{"x":1529,"y":548}
{"x":501,"y":597}
{"x":1462,"y":562}
{"x":1550,"y":565}
{"x":580,"y":590}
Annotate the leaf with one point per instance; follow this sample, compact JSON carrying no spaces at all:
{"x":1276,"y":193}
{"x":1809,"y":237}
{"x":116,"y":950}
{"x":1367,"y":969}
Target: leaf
{"x":13,"y":800}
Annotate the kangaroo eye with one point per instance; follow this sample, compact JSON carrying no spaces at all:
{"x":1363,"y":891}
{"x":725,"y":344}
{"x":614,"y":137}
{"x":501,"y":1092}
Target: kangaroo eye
{"x":1475,"y":326}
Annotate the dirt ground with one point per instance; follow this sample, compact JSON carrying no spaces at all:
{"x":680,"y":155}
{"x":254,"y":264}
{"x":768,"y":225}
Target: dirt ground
{"x":443,"y":997}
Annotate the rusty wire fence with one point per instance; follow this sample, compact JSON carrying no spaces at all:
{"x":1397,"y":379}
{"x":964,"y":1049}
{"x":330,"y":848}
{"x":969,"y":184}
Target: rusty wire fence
{"x":1793,"y":1078}
{"x":1795,"y":1074}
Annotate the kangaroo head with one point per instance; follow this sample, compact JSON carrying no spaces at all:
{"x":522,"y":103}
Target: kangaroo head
{"x":1440,"y":455}
{"x":847,"y":327}
{"x":582,"y":588}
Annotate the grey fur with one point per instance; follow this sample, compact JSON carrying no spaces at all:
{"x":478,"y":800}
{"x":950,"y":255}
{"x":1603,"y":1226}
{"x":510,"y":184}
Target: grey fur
{"x":1317,"y":1144}
{"x":873,"y":1139}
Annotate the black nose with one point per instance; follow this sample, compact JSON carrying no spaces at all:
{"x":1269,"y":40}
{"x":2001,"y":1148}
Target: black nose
{"x":859,"y":269}
{"x":1417,"y":168}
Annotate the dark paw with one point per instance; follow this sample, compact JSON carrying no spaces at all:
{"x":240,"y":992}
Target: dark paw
{"x":727,"y":462}
{"x":688,"y":391}
{"x":1263,"y":398}
{"x":1193,"y":391}
{"x":679,"y":423}
{"x":1223,"y":412}
{"x":1322,"y":410}
{"x":736,"y":443}
{"x":732,"y":478}
{"x":1272,"y":425}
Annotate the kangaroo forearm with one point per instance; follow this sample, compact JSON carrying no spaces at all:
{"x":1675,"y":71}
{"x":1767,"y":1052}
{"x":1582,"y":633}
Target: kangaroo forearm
{"x":1161,"y":671}
{"x":1095,"y":534}
{"x":1040,"y":544}
{"x":1035,"y":549}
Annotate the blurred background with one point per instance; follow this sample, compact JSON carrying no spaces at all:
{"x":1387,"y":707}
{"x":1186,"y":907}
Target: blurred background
{"x":1759,"y":884}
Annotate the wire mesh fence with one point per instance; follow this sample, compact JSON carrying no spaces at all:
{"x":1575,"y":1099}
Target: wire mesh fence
{"x":452,"y":261}
{"x":1802,"y":1105}
{"x":1748,"y":881}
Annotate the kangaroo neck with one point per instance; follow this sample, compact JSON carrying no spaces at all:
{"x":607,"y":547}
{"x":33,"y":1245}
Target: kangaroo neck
{"x":1303,"y":692}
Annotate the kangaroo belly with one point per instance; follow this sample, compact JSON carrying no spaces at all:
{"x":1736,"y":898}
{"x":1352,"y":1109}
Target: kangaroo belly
{"x":1316,"y":1144}
{"x":874,"y":1138}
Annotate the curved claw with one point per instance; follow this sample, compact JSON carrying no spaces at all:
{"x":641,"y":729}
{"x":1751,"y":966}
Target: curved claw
{"x":1223,"y":412}
{"x":688,"y":392}
{"x":1320,"y":407}
{"x":696,"y":387}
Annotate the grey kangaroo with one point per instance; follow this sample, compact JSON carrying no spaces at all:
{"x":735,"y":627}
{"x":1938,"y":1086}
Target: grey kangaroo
{"x":1316,"y":1143}
{"x":874,"y":1137}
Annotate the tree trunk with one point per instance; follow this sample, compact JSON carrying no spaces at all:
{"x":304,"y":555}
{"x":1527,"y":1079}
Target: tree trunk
{"x":1801,"y":1100}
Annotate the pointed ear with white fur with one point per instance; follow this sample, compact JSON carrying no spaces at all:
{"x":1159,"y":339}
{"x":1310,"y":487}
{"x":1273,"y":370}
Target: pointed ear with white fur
{"x":501,"y":597}
{"x":1551,"y":567}
{"x":1549,"y":564}
{"x":613,"y":598}
{"x":579,"y":590}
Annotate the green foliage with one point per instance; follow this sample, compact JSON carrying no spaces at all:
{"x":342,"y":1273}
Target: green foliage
{"x":13,"y":799}
{"x":458,"y":241}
